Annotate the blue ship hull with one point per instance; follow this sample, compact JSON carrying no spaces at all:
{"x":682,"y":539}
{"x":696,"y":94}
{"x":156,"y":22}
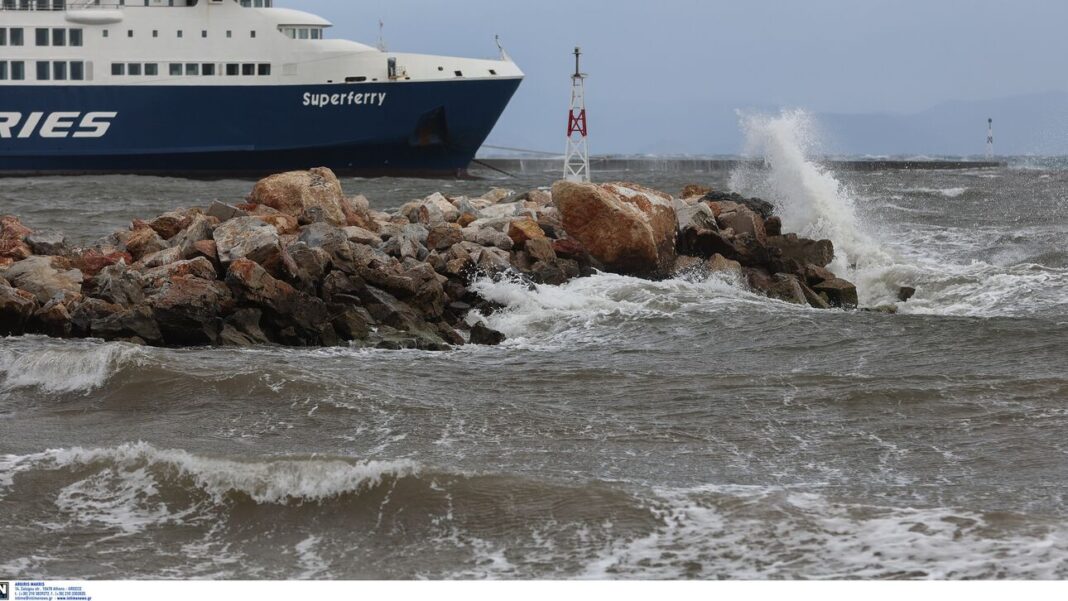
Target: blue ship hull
{"x":411,"y":128}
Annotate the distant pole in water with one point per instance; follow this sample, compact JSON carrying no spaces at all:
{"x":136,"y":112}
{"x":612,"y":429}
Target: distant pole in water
{"x":989,"y":138}
{"x":577,"y":161}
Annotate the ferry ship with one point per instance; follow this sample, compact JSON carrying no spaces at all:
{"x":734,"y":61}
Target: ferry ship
{"x":202,"y":87}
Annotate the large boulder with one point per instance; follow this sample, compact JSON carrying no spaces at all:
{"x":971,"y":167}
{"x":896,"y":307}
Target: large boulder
{"x":118,"y":285}
{"x":16,"y":308}
{"x":47,"y":242}
{"x":45,"y":279}
{"x":357,"y":210}
{"x":188,"y":310}
{"x":169,"y":224}
{"x":247,"y":238}
{"x":296,"y":318}
{"x":757,"y":205}
{"x":795,"y":253}
{"x":13,"y":245}
{"x":839,"y":292}
{"x":628,"y":228}
{"x":141,"y":241}
{"x":743,"y":221}
{"x":310,"y":196}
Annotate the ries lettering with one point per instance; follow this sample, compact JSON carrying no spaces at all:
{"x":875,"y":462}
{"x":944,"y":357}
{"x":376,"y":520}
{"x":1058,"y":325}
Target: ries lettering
{"x":55,"y":125}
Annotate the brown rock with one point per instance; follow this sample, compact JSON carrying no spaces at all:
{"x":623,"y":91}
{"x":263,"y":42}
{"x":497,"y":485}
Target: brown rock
{"x":310,"y":196}
{"x":141,"y":241}
{"x":541,"y":249}
{"x":198,"y":268}
{"x":188,"y":310}
{"x":283,"y":223}
{"x":13,"y":234}
{"x":522,"y":230}
{"x":905,"y":293}
{"x":720,"y":264}
{"x":841,"y":293}
{"x":482,"y":334}
{"x":16,"y":309}
{"x":694,"y":190}
{"x":773,"y":226}
{"x":797,"y":252}
{"x":628,"y":228}
{"x":92,"y":261}
{"x":743,"y":221}
{"x":444,"y":236}
{"x":357,"y":211}
{"x":361,"y":235}
{"x":169,"y":224}
{"x":206,"y":249}
{"x":53,"y":320}
{"x":787,"y":288}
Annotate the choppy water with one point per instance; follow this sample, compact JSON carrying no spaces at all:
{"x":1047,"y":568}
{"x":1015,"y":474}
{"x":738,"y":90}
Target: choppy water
{"x":628,"y":429}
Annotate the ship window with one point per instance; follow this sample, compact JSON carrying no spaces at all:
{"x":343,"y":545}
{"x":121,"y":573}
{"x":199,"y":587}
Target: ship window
{"x":203,"y":33}
{"x":207,"y":69}
{"x":302,"y":33}
{"x":253,"y":33}
{"x":192,"y":69}
{"x":493,"y":71}
{"x":248,"y":69}
{"x":42,"y":70}
{"x":106,"y":33}
{"x":42,"y":37}
{"x":18,"y":70}
{"x":155,"y":33}
{"x":76,"y":37}
{"x":133,"y":69}
{"x":229,"y":34}
{"x":151,"y":69}
{"x":59,"y":37}
{"x":129,"y":33}
{"x":175,"y":69}
{"x":179,"y":33}
{"x":355,"y":79}
{"x":118,"y":69}
{"x":15,"y":36}
{"x":459,"y":73}
{"x":3,"y":70}
{"x":3,"y":36}
{"x":59,"y":70}
{"x":233,"y":69}
{"x":263,"y":69}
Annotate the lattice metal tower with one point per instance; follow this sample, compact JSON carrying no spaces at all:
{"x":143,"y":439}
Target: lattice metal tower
{"x":577,"y":159}
{"x":989,"y":138}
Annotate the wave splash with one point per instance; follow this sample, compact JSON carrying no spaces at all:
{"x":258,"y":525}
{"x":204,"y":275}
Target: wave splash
{"x":65,"y":367}
{"x":278,"y":481}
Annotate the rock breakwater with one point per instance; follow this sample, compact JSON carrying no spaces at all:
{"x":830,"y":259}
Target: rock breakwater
{"x":300,"y":263}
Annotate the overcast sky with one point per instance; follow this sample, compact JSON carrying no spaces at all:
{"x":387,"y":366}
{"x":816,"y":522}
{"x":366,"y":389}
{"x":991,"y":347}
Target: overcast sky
{"x":669,"y":73}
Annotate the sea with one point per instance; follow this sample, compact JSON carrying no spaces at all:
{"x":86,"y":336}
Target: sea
{"x":628,"y":429}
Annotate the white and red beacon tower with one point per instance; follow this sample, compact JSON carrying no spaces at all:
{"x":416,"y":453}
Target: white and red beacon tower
{"x":577,"y":158}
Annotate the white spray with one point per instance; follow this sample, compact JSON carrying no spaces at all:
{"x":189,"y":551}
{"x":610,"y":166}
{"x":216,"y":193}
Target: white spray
{"x":810,"y":200}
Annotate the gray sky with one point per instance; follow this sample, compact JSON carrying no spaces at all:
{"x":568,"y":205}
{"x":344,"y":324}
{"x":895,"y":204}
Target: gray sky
{"x":667,"y":75}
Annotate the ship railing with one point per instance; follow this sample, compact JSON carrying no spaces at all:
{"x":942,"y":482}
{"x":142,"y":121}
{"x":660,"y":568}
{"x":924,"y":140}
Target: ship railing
{"x":57,"y":5}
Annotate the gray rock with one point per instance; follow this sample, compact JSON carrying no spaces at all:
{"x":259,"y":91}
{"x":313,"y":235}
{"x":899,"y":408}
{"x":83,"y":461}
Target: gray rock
{"x":37,"y":276}
{"x":482,"y":334}
{"x":47,"y":242}
{"x":225,"y":212}
{"x":119,"y":285}
{"x":247,"y":238}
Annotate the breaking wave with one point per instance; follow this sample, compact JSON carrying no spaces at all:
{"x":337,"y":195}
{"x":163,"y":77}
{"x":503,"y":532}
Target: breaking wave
{"x":320,"y":517}
{"x":65,"y":367}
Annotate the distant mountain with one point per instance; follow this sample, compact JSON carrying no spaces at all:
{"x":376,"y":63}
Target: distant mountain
{"x":1028,"y":124}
